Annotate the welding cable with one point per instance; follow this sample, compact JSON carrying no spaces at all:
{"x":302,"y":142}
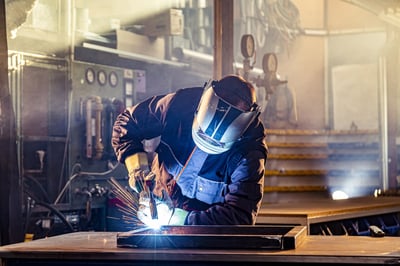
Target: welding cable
{"x":178,"y":176}
{"x":58,"y":213}
{"x":172,"y":214}
{"x":37,"y":183}
{"x":185,"y":165}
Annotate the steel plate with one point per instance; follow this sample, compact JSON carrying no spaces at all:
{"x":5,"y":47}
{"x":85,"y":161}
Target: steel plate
{"x":216,"y":236}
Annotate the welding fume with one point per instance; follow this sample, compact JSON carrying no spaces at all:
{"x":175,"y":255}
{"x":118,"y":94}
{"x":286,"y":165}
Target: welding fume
{"x":196,"y":156}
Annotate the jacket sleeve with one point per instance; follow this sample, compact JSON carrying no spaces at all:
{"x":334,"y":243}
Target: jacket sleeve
{"x":137,"y":123}
{"x":244,"y":196}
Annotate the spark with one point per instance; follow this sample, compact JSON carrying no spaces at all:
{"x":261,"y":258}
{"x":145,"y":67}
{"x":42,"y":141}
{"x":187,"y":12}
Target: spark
{"x":135,"y":210}
{"x":129,"y":203}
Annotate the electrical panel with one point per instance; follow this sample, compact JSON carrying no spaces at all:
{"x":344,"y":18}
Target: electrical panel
{"x":99,"y":94}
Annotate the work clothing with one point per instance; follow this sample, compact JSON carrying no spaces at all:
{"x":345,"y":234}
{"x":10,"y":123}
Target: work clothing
{"x":225,"y":188}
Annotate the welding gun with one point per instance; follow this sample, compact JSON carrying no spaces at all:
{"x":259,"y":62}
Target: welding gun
{"x":138,"y":167}
{"x":149,"y":182}
{"x":141,"y":179}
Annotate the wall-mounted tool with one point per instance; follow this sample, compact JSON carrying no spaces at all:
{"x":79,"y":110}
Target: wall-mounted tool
{"x":93,"y":110}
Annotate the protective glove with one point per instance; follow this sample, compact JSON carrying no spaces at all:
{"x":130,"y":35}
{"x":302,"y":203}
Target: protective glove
{"x":138,"y":168}
{"x":178,"y":217}
{"x":166,"y":215}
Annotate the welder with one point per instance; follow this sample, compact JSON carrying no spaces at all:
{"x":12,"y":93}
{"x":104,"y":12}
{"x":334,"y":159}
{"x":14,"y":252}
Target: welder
{"x":204,"y":146}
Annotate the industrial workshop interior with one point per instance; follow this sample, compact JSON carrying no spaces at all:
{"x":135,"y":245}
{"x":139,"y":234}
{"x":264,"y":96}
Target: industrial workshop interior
{"x":332,"y":118}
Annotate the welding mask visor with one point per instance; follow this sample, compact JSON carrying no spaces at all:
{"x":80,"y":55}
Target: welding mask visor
{"x":218,"y":124}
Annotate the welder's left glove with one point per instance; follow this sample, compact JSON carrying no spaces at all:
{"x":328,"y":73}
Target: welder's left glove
{"x":166,"y":215}
{"x":178,"y":217}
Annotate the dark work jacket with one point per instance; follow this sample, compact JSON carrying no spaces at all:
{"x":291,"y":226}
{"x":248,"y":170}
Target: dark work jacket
{"x":224,"y":188}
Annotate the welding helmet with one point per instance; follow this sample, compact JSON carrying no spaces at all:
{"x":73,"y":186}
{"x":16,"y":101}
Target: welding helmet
{"x":226,"y":109}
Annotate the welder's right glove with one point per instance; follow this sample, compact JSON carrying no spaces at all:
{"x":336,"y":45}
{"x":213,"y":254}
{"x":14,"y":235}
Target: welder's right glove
{"x":138,"y":168}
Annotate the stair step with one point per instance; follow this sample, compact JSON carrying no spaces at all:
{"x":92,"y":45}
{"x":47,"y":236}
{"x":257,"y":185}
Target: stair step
{"x":299,"y":132}
{"x":317,"y":161}
{"x":297,"y":156}
{"x":294,"y":189}
{"x":296,"y":145}
{"x":295,"y":172}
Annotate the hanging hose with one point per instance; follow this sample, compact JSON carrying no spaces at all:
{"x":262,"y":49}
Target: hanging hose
{"x":58,"y":214}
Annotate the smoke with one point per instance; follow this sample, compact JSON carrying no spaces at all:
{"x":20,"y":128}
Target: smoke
{"x":17,"y":13}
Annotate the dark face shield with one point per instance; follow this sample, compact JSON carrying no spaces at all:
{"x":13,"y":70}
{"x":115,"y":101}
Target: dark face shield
{"x":218,"y":124}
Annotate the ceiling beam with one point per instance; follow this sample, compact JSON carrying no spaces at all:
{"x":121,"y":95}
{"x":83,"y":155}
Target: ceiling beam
{"x":223,"y":38}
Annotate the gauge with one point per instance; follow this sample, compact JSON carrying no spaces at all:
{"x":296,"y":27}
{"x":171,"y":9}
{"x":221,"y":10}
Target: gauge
{"x":113,"y":79}
{"x":270,"y":62}
{"x":90,"y":75}
{"x":247,"y":45}
{"x":102,"y":77}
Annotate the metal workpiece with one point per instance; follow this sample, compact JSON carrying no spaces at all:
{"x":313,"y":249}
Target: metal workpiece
{"x":214,"y":236}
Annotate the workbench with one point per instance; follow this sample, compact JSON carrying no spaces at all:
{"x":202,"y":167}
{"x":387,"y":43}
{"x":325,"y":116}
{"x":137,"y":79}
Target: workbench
{"x":99,"y":248}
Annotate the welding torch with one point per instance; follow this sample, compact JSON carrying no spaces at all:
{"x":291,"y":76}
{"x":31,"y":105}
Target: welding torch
{"x":149,"y":183}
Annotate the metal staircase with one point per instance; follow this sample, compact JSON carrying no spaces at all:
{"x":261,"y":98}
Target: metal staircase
{"x":307,"y":164}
